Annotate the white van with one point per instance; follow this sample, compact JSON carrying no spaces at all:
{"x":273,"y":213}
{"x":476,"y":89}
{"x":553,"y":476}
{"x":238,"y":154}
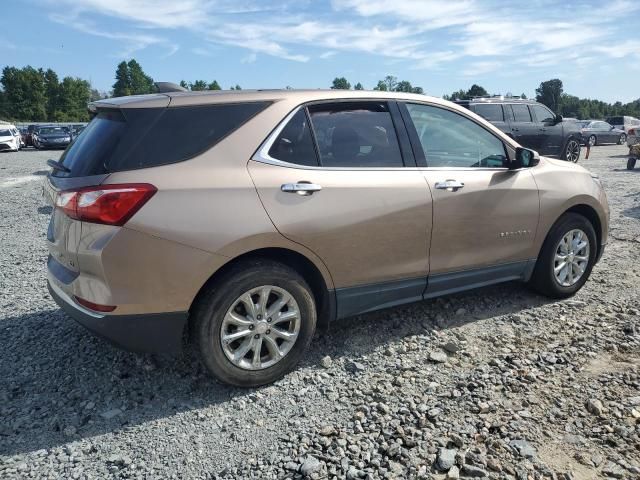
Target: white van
{"x":10,"y":138}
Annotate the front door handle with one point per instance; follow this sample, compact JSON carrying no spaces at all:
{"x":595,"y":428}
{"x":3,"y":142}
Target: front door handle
{"x":450,"y":185}
{"x":301,"y":188}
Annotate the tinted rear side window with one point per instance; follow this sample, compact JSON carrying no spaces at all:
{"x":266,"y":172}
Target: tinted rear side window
{"x":355,"y":134}
{"x":491,"y":112}
{"x":128,"y":139}
{"x":521,"y":112}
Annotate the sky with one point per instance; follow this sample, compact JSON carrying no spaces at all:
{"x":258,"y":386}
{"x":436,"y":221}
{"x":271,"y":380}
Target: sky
{"x":442,"y":46}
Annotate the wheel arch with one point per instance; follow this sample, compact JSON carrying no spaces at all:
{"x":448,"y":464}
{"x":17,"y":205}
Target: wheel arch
{"x":324,"y":295}
{"x":590,"y":214}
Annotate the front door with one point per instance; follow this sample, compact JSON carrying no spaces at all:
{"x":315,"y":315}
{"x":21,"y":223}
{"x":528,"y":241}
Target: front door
{"x":357,"y":206}
{"x":523,"y":128}
{"x":551,"y":132}
{"x":484,"y":215}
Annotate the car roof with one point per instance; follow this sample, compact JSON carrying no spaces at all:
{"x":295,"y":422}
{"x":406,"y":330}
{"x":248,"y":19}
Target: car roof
{"x":498,"y":99}
{"x":235,"y":96}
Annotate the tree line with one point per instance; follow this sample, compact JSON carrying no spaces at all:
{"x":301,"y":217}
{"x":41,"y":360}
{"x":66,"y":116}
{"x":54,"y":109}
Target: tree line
{"x":30,"y":94}
{"x":388,"y":84}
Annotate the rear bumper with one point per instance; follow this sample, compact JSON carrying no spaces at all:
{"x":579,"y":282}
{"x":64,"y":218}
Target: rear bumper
{"x":151,"y":333}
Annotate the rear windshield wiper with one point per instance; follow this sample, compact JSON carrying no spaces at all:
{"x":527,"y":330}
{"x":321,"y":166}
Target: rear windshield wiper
{"x":56,"y":165}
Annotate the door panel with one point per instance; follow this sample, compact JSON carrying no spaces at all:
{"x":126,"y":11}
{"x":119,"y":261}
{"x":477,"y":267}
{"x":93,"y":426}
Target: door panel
{"x":525,"y":132}
{"x":491,"y":220}
{"x":368,"y":226}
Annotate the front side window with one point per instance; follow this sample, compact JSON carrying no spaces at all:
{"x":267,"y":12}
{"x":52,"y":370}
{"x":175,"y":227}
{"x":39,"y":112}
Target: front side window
{"x":491,"y":112}
{"x":355,"y":134}
{"x":543,"y":114}
{"x":452,"y":140}
{"x":521,"y":112}
{"x":294,"y":144}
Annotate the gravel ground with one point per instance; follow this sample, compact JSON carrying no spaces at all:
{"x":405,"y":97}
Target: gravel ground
{"x":495,"y":383}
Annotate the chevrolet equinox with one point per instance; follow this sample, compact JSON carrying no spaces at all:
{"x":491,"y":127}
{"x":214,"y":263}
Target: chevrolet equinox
{"x":237,"y":222}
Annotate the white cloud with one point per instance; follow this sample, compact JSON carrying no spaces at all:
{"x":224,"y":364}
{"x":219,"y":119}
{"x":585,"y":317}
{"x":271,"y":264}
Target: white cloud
{"x":425,"y":34}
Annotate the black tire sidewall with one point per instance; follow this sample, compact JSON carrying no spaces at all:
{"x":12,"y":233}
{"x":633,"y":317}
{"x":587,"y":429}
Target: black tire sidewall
{"x":543,"y":278}
{"x":631,"y":164}
{"x":595,"y":140}
{"x":211,"y":311}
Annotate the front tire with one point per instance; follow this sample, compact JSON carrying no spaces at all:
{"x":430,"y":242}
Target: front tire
{"x":623,"y":139}
{"x":254,"y":324}
{"x":593,"y":141}
{"x":631,"y":163}
{"x":567,"y":257}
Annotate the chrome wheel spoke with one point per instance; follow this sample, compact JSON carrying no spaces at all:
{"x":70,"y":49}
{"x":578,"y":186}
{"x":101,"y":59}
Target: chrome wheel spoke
{"x":238,"y":320}
{"x":284,"y":335}
{"x":236,"y":335}
{"x":286,"y":316}
{"x":571,"y":258}
{"x":273,"y":348}
{"x":243,"y":349}
{"x":560,"y":267}
{"x":279,"y":304}
{"x":262,"y":303}
{"x":249,"y":305}
{"x":257,"y":348}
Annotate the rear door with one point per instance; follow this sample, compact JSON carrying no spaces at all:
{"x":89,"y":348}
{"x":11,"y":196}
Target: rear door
{"x":493,"y":112}
{"x":551,"y":133}
{"x":345,"y":190}
{"x":525,"y":132}
{"x":484,"y":215}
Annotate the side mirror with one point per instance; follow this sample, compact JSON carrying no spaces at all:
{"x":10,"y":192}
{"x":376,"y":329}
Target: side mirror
{"x":525,"y":158}
{"x":558,"y":118}
{"x":612,"y":127}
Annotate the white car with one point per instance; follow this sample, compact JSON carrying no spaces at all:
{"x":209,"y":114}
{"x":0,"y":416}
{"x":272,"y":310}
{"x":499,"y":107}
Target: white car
{"x":633,"y":135}
{"x":10,"y":138}
{"x":624,"y":122}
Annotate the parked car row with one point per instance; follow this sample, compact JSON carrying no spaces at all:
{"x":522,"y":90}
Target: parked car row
{"x":48,"y":136}
{"x":10,"y":138}
{"x":596,"y":132}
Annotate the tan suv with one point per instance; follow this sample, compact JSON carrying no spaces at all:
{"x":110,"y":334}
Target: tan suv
{"x":239,"y":221}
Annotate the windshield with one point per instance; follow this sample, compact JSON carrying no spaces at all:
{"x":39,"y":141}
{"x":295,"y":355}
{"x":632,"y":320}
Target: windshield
{"x":52,"y":130}
{"x":5,"y":133}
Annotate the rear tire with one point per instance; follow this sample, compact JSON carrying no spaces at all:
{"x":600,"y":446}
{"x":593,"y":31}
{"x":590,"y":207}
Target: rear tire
{"x":571,"y":151}
{"x":593,"y":140}
{"x":544,"y":279}
{"x":216,"y":315}
{"x":623,"y":139}
{"x":631,"y":163}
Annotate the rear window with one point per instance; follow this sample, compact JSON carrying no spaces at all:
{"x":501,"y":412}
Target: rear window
{"x":521,"y":112}
{"x":4,"y":133}
{"x":615,"y":120}
{"x":129,"y":139}
{"x":491,"y":112}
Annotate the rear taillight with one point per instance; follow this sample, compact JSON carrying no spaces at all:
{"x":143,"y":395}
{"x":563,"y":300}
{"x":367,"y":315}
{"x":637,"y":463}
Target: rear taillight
{"x":106,"y":204}
{"x":632,"y":131}
{"x":96,"y":307}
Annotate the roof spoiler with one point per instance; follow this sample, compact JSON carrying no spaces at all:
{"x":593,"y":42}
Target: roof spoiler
{"x":166,"y":87}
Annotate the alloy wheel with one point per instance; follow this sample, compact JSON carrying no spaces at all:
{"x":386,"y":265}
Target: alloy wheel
{"x":573,"y":151}
{"x":592,"y":140}
{"x":260,"y":327}
{"x":623,"y":138}
{"x":571,"y":258}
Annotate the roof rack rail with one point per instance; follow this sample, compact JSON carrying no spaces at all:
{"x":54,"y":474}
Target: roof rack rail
{"x":166,"y":87}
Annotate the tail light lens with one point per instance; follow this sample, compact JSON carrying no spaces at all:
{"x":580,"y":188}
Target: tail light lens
{"x":105,"y":204}
{"x":632,"y":131}
{"x":96,"y":307}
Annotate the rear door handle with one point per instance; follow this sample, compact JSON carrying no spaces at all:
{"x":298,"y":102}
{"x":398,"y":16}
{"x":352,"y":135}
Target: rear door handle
{"x":301,"y":188}
{"x":450,"y":185}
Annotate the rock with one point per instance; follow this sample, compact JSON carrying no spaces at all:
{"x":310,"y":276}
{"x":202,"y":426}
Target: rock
{"x":472,"y":471}
{"x":493,"y":464}
{"x":451,"y":347}
{"x":326,"y":361}
{"x":484,"y":407}
{"x":613,"y":470}
{"x":327,"y":431}
{"x":454,"y":473}
{"x":524,"y":448}
{"x":109,"y":414}
{"x":438,"y":357}
{"x":354,"y":367}
{"x":595,"y":406}
{"x":446,"y":459}
{"x":310,"y":465}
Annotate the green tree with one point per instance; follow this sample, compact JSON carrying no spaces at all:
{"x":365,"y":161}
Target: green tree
{"x":73,"y":96}
{"x":381,"y":86}
{"x":184,"y":84}
{"x":549,"y":93}
{"x":24,"y":96}
{"x":122,"y":87}
{"x":214,"y":85}
{"x":523,"y":96}
{"x":340,"y":83}
{"x":476,"y":91}
{"x":51,"y":87}
{"x":358,"y":86}
{"x":139,"y":82}
{"x":404,"y":86}
{"x":198,"y":86}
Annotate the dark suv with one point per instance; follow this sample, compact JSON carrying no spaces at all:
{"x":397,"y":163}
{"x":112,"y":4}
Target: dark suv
{"x":531,"y":124}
